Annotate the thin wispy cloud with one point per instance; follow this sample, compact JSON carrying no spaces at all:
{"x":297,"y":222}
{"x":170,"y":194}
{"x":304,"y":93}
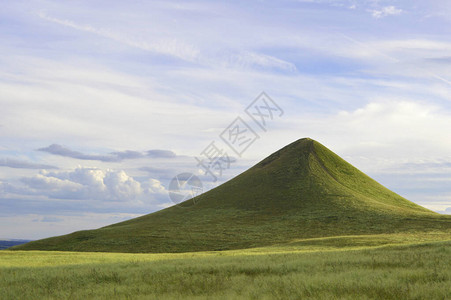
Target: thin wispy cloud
{"x":112,"y":157}
{"x":392,"y":49}
{"x":166,"y":46}
{"x":386,"y":11}
{"x":63,"y":151}
{"x":252,"y":59}
{"x":161,"y":154}
{"x":21,"y":164}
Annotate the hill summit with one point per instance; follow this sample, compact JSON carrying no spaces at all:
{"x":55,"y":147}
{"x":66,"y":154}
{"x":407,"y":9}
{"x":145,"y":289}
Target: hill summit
{"x":303,"y":190}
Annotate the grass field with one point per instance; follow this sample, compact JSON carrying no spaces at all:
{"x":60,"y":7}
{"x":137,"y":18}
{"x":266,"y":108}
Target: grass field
{"x":302,"y":223}
{"x":388,"y":266}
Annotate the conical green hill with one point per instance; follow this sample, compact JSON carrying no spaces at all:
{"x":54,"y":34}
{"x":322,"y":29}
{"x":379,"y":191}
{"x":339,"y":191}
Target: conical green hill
{"x":303,"y":190}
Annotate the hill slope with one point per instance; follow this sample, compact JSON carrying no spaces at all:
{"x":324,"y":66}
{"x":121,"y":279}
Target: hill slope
{"x":301,"y":191}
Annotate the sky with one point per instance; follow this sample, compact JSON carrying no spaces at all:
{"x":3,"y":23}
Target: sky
{"x":102,"y":103}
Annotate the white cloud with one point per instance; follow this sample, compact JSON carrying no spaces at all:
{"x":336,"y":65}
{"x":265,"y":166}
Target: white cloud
{"x":403,"y":122}
{"x":155,"y":186}
{"x":382,"y":134}
{"x":413,"y":44}
{"x":252,"y":59}
{"x":68,"y":102}
{"x":121,"y":186}
{"x":167,"y":46}
{"x":386,"y":11}
{"x":86,"y":184}
{"x":51,"y":184}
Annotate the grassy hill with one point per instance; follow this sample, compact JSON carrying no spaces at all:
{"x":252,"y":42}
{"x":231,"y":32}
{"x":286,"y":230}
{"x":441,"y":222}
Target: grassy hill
{"x":301,"y":191}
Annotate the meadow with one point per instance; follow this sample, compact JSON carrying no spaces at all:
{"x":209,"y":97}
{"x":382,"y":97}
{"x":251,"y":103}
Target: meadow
{"x":387,"y":266}
{"x":301,"y":224}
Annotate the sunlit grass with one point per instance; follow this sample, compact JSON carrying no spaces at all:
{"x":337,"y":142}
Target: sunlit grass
{"x":357,"y":242}
{"x":395,"y":267}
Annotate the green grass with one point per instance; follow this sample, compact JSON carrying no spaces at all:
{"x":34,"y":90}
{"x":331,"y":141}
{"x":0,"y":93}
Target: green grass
{"x":302,"y":191}
{"x":387,"y":266}
{"x":301,"y":224}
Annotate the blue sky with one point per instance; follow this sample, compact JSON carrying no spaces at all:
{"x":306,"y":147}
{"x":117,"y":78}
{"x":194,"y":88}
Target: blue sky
{"x":103,"y":102}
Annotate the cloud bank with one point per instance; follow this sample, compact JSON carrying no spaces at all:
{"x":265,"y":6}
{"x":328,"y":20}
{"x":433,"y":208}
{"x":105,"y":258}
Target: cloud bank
{"x":91,"y":184}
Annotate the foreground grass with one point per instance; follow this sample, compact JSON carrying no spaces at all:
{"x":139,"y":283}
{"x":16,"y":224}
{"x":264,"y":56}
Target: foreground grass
{"x":334,"y":268}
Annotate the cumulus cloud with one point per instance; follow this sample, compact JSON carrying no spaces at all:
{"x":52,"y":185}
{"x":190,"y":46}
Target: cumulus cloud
{"x":402,"y":118}
{"x":42,"y":182}
{"x":121,"y":186}
{"x":86,"y":184}
{"x":112,"y":157}
{"x":386,"y":11}
{"x":21,"y":164}
{"x":155,"y":186}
